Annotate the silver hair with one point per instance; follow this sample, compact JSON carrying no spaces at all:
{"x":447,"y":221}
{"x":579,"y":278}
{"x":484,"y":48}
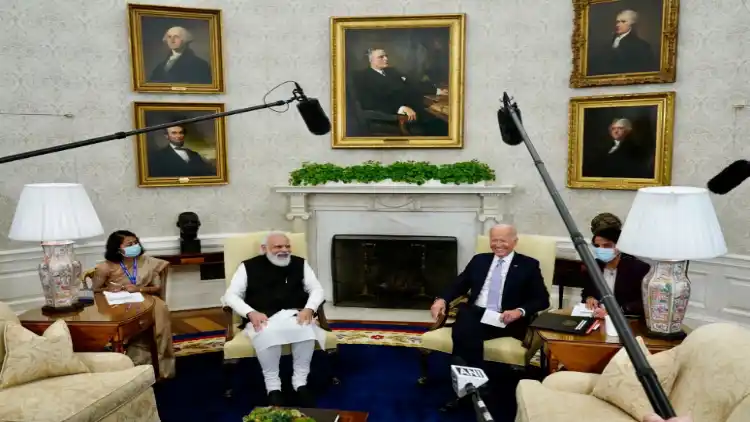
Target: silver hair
{"x":630,"y":15}
{"x":624,"y":122}
{"x":372,"y":50}
{"x":271,"y":234}
{"x":184,"y":34}
{"x":509,"y":227}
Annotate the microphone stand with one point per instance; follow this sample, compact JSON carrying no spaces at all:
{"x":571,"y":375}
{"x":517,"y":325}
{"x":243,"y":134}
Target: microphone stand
{"x":121,"y":135}
{"x":483,"y":414}
{"x":644,"y":371}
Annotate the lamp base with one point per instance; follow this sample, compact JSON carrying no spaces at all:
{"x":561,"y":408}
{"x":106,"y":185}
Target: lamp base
{"x":666,"y":293}
{"x":680,"y":335}
{"x":53,"y":310}
{"x":60,"y":275}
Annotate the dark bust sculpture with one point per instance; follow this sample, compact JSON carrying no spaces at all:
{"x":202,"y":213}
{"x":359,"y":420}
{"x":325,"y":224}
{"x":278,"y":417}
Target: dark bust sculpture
{"x":189,"y":223}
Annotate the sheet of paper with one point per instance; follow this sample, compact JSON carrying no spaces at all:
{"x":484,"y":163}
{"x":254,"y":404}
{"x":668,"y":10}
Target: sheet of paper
{"x":119,"y":298}
{"x":580,"y":310}
{"x":492,"y":318}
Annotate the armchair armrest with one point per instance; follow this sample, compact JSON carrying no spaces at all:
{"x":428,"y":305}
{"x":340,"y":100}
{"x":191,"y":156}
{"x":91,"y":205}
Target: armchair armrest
{"x":571,"y":382}
{"x":105,"y":361}
{"x":322,"y":320}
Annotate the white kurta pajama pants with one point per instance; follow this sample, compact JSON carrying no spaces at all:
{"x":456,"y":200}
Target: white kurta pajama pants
{"x":282,"y":328}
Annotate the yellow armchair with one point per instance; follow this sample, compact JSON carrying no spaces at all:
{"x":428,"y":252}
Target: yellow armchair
{"x":506,"y":350}
{"x":236,"y":250}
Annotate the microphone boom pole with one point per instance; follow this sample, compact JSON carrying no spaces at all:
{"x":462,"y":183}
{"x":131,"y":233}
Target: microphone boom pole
{"x":122,"y":135}
{"x":645,"y":373}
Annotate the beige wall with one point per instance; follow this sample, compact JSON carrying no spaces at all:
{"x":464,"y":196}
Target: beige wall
{"x":71,"y":56}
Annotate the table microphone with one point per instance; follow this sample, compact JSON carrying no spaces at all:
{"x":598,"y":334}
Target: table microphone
{"x":732,"y":176}
{"x":312,"y":113}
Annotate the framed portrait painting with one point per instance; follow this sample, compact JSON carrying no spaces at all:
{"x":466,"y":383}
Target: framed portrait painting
{"x":624,"y":42}
{"x":398,"y":81}
{"x":621,"y":141}
{"x":175,"y":49}
{"x":181,"y":155}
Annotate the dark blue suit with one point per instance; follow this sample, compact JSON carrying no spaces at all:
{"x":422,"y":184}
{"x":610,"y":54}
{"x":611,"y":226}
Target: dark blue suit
{"x":523,"y":288}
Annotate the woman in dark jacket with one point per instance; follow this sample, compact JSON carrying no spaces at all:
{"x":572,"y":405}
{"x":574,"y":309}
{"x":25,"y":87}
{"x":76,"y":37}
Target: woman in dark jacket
{"x":623,"y":273}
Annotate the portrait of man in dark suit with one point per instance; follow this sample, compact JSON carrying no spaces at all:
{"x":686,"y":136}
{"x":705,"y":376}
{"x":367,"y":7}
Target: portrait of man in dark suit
{"x":181,"y":154}
{"x":622,"y":153}
{"x":176,"y":52}
{"x":397,"y":81}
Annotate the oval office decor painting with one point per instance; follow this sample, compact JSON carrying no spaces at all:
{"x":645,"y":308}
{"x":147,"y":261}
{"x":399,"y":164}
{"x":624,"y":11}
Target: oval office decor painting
{"x":397,"y":81}
{"x":621,"y":141}
{"x":180,"y":155}
{"x":176,"y":50}
{"x":623,"y":42}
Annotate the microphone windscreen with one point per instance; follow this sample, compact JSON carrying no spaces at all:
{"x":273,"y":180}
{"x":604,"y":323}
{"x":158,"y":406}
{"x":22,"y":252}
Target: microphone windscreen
{"x":315,"y":118}
{"x":729,"y":178}
{"x":508,"y":129}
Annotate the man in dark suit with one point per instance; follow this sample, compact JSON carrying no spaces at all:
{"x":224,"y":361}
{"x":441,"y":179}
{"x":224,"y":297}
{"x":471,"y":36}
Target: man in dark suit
{"x":625,"y":52}
{"x":623,"y":157}
{"x":502,"y":281}
{"x":385,"y":89}
{"x":177,"y":161}
{"x":182,"y":66}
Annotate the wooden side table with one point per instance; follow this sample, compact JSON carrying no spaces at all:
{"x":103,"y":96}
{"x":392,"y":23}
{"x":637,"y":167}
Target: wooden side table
{"x":94,"y":326}
{"x":210,"y":264}
{"x":591,"y":353}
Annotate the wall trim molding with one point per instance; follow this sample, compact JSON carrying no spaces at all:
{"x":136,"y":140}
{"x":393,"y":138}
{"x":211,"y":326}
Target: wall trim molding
{"x":19,"y":266}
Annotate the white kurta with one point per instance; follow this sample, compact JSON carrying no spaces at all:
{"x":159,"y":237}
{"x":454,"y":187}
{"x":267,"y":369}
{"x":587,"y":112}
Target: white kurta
{"x":282,"y":327}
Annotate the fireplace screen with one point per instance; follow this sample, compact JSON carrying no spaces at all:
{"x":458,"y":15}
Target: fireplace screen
{"x":405,"y":272}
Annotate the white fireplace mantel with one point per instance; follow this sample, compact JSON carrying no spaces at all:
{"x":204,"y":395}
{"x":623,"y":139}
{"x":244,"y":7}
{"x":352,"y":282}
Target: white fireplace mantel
{"x":490,"y":208}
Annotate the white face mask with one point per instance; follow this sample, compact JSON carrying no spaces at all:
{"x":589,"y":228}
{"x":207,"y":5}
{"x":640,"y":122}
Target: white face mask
{"x":281,"y":259}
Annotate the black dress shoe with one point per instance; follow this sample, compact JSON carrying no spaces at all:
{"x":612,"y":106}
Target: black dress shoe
{"x":305,"y":397}
{"x":275,"y":398}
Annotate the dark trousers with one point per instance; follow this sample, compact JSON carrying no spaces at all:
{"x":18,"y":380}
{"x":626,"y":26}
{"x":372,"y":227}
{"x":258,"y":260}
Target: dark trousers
{"x":469,"y":334}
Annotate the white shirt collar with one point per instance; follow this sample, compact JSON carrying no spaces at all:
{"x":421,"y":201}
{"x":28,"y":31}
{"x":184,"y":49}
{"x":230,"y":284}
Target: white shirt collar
{"x":175,"y":54}
{"x":506,"y":259}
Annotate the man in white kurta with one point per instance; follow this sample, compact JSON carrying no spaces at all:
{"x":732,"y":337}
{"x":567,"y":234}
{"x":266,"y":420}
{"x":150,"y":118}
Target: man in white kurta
{"x":276,"y":294}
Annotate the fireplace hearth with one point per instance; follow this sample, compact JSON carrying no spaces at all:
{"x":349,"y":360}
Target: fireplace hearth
{"x":402,"y":272}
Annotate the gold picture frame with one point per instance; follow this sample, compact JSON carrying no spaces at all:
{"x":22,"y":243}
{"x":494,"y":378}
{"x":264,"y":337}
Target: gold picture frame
{"x":621,"y":141}
{"x":646,"y":49}
{"x":398,"y":81}
{"x":176,"y":49}
{"x":189,"y":155}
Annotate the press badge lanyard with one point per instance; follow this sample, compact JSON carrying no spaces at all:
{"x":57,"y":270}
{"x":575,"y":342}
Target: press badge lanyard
{"x":133,"y":278}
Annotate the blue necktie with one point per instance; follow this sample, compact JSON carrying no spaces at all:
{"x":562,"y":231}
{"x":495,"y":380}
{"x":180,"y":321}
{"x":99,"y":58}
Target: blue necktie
{"x":496,"y":281}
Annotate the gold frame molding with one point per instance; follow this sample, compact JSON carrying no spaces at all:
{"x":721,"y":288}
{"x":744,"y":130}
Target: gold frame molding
{"x":144,"y":181}
{"x":457,"y":25}
{"x":665,"y":101}
{"x":138,"y":71}
{"x":579,"y":44}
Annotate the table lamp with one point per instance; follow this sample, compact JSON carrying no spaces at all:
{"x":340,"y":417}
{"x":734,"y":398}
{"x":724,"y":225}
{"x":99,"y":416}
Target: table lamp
{"x":670,"y":225}
{"x":56,"y":214}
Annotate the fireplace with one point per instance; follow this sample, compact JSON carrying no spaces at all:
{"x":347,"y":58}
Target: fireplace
{"x":403,"y":272}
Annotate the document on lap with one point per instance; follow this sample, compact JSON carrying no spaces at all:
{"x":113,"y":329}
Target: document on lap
{"x":283,"y":328}
{"x":492,"y":318}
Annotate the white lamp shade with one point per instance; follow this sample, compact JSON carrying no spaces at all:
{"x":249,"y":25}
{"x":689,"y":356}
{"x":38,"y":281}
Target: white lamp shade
{"x":54,"y":212}
{"x":672,"y":223}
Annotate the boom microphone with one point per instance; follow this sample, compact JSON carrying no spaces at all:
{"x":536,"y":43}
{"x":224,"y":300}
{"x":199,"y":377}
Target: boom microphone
{"x":732,"y":176}
{"x":312,"y":113}
{"x":508,"y":129}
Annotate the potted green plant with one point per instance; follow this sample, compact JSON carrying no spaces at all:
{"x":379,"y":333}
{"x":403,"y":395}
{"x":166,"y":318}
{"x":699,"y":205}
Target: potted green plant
{"x":398,"y":173}
{"x":276,"y":414}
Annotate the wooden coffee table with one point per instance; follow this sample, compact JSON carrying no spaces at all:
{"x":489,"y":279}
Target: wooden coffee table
{"x":591,"y":353}
{"x":94,"y":326}
{"x":329,"y":415}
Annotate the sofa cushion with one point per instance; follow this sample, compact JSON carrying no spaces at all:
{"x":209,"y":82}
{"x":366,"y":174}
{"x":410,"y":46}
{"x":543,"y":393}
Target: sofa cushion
{"x":29,"y":357}
{"x":240,"y":346}
{"x":537,"y":403}
{"x":74,"y":398}
{"x":505,"y":350}
{"x":619,"y":385}
{"x":6,"y":315}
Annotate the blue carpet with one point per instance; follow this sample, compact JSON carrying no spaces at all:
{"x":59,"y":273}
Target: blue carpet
{"x":376,"y":379}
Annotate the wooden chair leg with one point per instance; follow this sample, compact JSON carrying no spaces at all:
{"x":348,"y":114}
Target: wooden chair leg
{"x":424,"y":364}
{"x":333,"y":356}
{"x":229,"y":369}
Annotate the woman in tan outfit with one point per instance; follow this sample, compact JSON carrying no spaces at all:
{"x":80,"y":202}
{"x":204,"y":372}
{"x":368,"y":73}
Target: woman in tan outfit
{"x":127,"y":268}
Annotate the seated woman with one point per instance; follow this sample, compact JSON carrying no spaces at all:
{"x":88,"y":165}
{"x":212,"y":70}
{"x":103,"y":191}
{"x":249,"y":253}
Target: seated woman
{"x":127,"y":268}
{"x":623,"y":273}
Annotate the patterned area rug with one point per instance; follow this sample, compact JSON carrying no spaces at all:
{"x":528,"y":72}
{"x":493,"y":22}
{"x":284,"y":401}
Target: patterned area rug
{"x":347,"y":332}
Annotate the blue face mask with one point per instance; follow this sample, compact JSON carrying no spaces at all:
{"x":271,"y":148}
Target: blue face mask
{"x":131,"y":251}
{"x":605,"y":254}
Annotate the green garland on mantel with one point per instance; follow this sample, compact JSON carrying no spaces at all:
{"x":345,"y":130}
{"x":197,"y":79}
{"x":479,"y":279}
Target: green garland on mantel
{"x":413,"y":172}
